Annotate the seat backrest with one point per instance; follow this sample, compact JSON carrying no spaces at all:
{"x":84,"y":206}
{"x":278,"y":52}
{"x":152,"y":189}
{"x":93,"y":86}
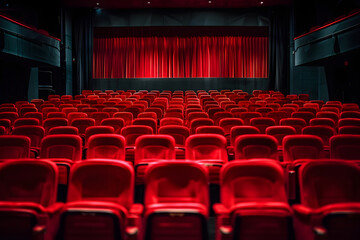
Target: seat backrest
{"x":67,"y":146}
{"x":297,"y":123}
{"x":147,"y":122}
{"x":349,"y":122}
{"x":262,"y":123}
{"x":73,"y":115}
{"x":82,"y":123}
{"x":54,"y":122}
{"x":345,"y":147}
{"x":255,"y":146}
{"x":127,"y":116}
{"x":26,"y":121}
{"x":178,"y":181}
{"x":350,"y":114}
{"x":279,"y":132}
{"x":29,"y":181}
{"x":210,"y":129}
{"x":97,"y":130}
{"x":179,"y":133}
{"x":302,"y":147}
{"x":116,"y":123}
{"x":64,"y":130}
{"x":14,"y":146}
{"x":161,"y":147}
{"x":102,"y":180}
{"x":349,"y":130}
{"x":258,"y":180}
{"x":109,"y":146}
{"x":200,"y":122}
{"x":35,"y":133}
{"x":323,"y":121}
{"x":228,"y":123}
{"x":206,"y":146}
{"x":329,"y":181}
{"x":132,"y":132}
{"x":236,"y":131}
{"x":303,"y":115}
{"x":325,"y":132}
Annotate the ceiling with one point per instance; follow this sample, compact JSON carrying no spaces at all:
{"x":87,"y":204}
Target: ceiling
{"x":119,"y":4}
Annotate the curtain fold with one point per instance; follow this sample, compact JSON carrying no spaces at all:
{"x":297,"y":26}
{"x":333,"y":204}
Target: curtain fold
{"x":181,"y":57}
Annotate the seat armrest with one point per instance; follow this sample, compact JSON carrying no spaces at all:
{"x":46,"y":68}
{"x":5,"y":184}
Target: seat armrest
{"x":303,"y":213}
{"x":54,"y":209}
{"x":137,"y":209}
{"x":220,"y":209}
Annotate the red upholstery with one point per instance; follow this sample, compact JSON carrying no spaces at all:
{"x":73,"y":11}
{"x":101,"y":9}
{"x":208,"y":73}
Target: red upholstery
{"x":61,"y":146}
{"x":345,"y":147}
{"x":116,"y":123}
{"x":349,"y":130}
{"x":255,"y":146}
{"x":90,"y":131}
{"x":253,"y":202}
{"x":228,"y":123}
{"x":279,"y":132}
{"x":94,"y":199}
{"x":297,"y":123}
{"x":241,"y":130}
{"x":28,"y":194}
{"x":262,"y":123}
{"x":132,"y":132}
{"x":82,"y":123}
{"x":26,"y":121}
{"x":200,"y":122}
{"x":109,"y":146}
{"x":127,"y":116}
{"x":302,"y":147}
{"x":176,"y":200}
{"x":14,"y":146}
{"x":324,"y":132}
{"x":210,"y":129}
{"x":54,"y":122}
{"x":328,"y":203}
{"x":63,"y":130}
{"x":146,"y":122}
{"x":349,"y":122}
{"x":323,"y":121}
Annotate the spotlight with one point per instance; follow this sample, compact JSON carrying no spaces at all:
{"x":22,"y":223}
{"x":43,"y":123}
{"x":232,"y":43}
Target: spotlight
{"x":210,"y":1}
{"x":261,"y":2}
{"x":97,"y":4}
{"x":149,"y":3}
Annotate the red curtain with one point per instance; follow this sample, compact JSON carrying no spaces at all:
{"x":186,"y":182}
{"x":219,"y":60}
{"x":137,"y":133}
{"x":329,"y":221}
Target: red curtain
{"x":181,"y":57}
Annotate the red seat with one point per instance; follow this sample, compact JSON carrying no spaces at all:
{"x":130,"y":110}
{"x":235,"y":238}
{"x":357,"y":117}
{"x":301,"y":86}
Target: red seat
{"x":349,"y":130}
{"x":297,"y":123}
{"x":64,"y":130}
{"x":171,"y":121}
{"x":330,"y":197}
{"x":323,"y":121}
{"x":200,"y":122}
{"x":14,"y":146}
{"x":149,"y":149}
{"x":345,"y":147}
{"x":348,"y":122}
{"x":12,"y":116}
{"x":210,"y":129}
{"x":219,"y":116}
{"x":37,"y":115}
{"x":99,"y":116}
{"x":73,"y":115}
{"x":228,"y":123}
{"x":27,"y":200}
{"x":176,"y":201}
{"x":132,"y":132}
{"x":116,"y":123}
{"x":304,"y":115}
{"x":35,"y":133}
{"x":350,"y":114}
{"x":251,"y":146}
{"x":61,"y":146}
{"x":56,"y":115}
{"x":180,"y":134}
{"x":241,"y":130}
{"x":26,"y":122}
{"x":97,"y":208}
{"x":262,"y":123}
{"x":148,"y":115}
{"x":109,"y":146}
{"x":25,"y":110}
{"x":246,"y":116}
{"x":146,"y":122}
{"x":209,"y":149}
{"x":127,"y":116}
{"x":331,"y":115}
{"x":279,"y":132}
{"x":82,"y":123}
{"x":302,"y":147}
{"x":90,"y":131}
{"x":54,"y":122}
{"x":253,"y":202}
{"x":324,"y":132}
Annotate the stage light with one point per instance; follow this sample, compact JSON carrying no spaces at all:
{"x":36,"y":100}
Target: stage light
{"x":261,"y":2}
{"x":210,"y":1}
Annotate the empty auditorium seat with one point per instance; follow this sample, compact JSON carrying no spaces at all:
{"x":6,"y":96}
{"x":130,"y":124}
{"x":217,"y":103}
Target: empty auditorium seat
{"x":37,"y":115}
{"x":200,"y":122}
{"x":210,"y":129}
{"x":228,"y":123}
{"x":27,"y":200}
{"x":64,"y":130}
{"x":171,"y":121}
{"x":279,"y":132}
{"x":180,"y":134}
{"x":348,"y":122}
{"x":12,"y":116}
{"x":350,"y":114}
{"x":241,"y":130}
{"x":67,"y":146}
{"x":329,"y":206}
{"x":146,"y":122}
{"x":35,"y":133}
{"x":82,"y":123}
{"x":253,"y":202}
{"x":176,"y":201}
{"x":349,"y":130}
{"x":54,"y":122}
{"x":262,"y":123}
{"x":345,"y":147}
{"x":14,"y":146}
{"x":251,"y":146}
{"x":324,"y":132}
{"x":246,"y":116}
{"x":26,"y":121}
{"x":90,"y":131}
{"x":302,"y":147}
{"x":73,"y":115}
{"x":107,"y":146}
{"x":134,"y":131}
{"x":297,"y":123}
{"x":116,"y":123}
{"x":209,"y":149}
{"x":331,"y":115}
{"x":94,"y":200}
{"x":323,"y":122}
{"x":304,"y":115}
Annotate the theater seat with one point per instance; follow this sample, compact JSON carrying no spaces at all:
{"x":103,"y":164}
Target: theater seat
{"x":208,"y":149}
{"x":345,"y":147}
{"x":67,"y":146}
{"x":14,"y":146}
{"x":330,"y":200}
{"x":106,"y":146}
{"x":100,"y":202}
{"x":302,"y":147}
{"x":27,"y":200}
{"x":176,"y":201}
{"x":253,"y":202}
{"x":251,"y":146}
